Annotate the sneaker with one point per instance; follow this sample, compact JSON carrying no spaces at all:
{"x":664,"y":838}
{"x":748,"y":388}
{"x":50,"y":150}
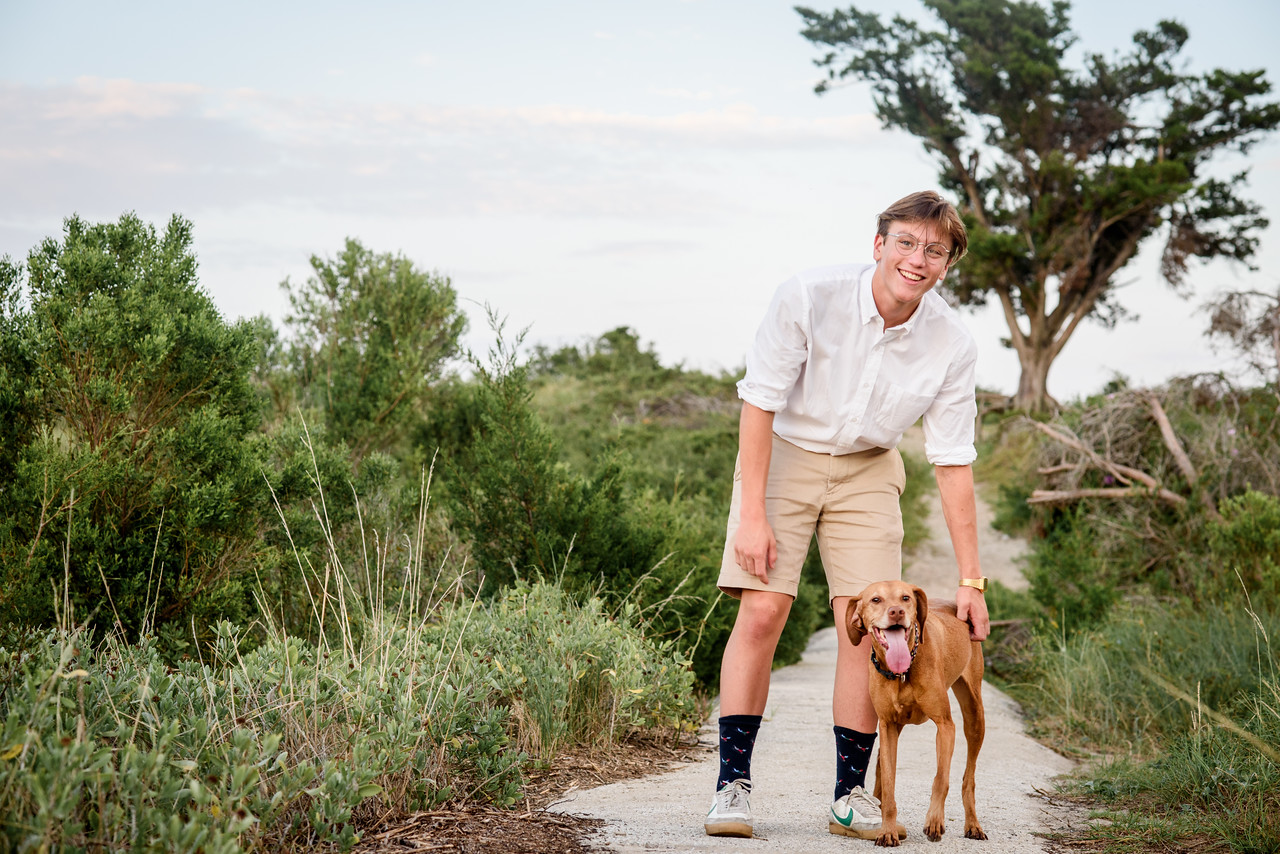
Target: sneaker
{"x":730,"y":814}
{"x":858,"y":814}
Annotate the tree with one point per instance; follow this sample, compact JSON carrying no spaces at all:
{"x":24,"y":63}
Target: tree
{"x":1061,"y":172}
{"x":130,"y":484}
{"x":371,"y":334}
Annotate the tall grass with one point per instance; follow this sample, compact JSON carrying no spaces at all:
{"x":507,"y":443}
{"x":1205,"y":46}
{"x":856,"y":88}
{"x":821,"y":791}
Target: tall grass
{"x":1183,"y":705}
{"x":414,"y":694}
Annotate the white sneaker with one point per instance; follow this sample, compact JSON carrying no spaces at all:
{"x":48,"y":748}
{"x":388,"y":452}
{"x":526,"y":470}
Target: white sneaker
{"x":858,"y":814}
{"x":730,"y":813}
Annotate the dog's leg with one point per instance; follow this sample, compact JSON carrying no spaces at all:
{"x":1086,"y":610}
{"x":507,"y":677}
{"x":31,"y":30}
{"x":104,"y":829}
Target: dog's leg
{"x":934,"y":821}
{"x":968,"y":691}
{"x":886,"y":774}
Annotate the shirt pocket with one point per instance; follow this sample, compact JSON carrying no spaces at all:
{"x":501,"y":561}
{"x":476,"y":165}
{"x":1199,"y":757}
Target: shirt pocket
{"x":899,"y":409}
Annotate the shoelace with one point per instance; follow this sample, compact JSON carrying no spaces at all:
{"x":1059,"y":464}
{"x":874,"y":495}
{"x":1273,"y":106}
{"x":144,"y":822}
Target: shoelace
{"x":734,"y":796}
{"x":864,"y":799}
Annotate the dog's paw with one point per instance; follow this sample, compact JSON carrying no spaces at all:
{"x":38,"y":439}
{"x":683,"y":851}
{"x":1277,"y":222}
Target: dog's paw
{"x":887,"y":839}
{"x":974,"y":832}
{"x":933,"y":830}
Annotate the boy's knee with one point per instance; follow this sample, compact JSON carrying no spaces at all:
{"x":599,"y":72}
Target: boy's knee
{"x":763,"y":617}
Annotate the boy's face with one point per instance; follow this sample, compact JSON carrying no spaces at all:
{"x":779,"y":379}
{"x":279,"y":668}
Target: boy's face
{"x":908,"y":276}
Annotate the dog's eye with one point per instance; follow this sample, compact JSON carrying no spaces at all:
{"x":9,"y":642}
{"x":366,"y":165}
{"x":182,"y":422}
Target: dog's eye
{"x":875,"y":599}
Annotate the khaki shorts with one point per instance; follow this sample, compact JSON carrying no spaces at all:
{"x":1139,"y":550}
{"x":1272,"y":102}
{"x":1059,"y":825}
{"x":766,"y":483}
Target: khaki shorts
{"x":850,"y":501}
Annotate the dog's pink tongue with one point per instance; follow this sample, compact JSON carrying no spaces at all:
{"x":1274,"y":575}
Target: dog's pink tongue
{"x":897,"y":657}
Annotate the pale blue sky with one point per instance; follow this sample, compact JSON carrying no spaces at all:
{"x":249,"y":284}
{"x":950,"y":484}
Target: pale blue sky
{"x":578,"y":165}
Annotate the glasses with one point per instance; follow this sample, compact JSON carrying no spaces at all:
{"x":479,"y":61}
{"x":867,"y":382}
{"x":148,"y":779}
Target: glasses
{"x":907,"y":244}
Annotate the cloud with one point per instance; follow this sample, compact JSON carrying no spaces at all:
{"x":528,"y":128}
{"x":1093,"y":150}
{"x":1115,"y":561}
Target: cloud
{"x":684,"y":94}
{"x":639,"y":248}
{"x":111,"y":145}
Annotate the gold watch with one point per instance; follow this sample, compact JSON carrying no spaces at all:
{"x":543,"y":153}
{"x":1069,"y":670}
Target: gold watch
{"x":979,"y":584}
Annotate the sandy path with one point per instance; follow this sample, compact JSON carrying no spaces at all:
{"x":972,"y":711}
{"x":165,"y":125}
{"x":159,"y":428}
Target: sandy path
{"x":793,"y":766}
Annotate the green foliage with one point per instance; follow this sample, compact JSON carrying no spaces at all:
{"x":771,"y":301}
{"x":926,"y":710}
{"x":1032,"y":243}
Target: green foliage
{"x":1247,"y":539}
{"x":1069,"y":577}
{"x":106,"y":746}
{"x":371,"y":335}
{"x":321,"y":509}
{"x":915,"y":501}
{"x":617,"y":354}
{"x":572,"y":674}
{"x":524,"y":512}
{"x":287,"y":746}
{"x":127,"y":456}
{"x":1061,"y":172}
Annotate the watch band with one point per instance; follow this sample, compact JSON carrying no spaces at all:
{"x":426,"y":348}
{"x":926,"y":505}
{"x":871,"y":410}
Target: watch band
{"x":979,"y":584}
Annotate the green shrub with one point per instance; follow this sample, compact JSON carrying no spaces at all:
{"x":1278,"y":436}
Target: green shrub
{"x":574,"y":675}
{"x":1073,"y":582}
{"x":524,"y":513}
{"x":104,"y":744}
{"x":1247,"y":540}
{"x":370,"y":336}
{"x":130,"y":475}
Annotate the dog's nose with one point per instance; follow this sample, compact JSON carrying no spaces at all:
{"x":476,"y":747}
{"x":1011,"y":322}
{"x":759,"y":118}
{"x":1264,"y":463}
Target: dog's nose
{"x":897,"y":612}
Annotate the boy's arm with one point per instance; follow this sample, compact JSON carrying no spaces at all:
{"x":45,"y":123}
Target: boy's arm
{"x":959,"y":508}
{"x":754,"y":547}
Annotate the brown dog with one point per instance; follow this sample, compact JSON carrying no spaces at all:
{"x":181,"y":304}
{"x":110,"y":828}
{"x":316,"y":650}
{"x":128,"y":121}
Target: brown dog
{"x":918,"y":653}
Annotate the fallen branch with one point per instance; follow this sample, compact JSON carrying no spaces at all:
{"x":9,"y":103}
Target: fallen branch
{"x":1067,"y":496}
{"x":1179,"y":453}
{"x":1058,"y":469}
{"x":1122,"y":473}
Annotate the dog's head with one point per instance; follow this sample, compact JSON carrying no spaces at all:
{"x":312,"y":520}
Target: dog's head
{"x":890,"y":611}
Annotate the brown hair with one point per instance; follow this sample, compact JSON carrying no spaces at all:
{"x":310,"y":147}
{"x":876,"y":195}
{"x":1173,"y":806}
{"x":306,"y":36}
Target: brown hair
{"x":928,"y":206}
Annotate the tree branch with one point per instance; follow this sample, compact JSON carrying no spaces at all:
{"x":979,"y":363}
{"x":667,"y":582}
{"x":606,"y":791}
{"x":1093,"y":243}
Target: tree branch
{"x":1179,"y":453}
{"x":1067,"y":496}
{"x":1122,"y":473}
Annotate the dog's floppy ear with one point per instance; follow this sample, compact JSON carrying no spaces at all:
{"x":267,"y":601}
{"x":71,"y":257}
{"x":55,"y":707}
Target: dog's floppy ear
{"x":922,"y":605}
{"x":853,"y":621}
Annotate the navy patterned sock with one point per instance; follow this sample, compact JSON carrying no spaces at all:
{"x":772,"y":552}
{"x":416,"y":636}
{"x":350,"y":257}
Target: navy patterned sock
{"x":737,"y":740}
{"x":853,"y":755}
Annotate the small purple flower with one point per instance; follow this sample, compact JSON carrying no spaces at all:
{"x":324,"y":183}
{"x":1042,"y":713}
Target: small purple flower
{"x":1108,"y":480}
{"x":1231,"y":431}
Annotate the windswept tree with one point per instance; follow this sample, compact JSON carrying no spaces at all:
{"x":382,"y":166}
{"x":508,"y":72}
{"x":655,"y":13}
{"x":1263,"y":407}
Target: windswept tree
{"x":371,"y":334}
{"x":1061,"y":172}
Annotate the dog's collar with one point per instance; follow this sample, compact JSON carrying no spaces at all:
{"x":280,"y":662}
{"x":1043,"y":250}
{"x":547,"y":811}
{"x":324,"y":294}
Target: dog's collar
{"x":914,"y":644}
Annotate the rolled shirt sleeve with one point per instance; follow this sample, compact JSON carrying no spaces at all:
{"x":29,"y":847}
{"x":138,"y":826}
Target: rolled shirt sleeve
{"x":950,"y":420}
{"x":780,"y":350}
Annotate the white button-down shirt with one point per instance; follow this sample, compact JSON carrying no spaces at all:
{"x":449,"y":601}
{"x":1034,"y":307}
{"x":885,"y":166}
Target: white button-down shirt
{"x":839,"y":382}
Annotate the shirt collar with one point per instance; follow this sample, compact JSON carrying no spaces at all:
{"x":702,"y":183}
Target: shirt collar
{"x":866,"y":300}
{"x":869,"y":312}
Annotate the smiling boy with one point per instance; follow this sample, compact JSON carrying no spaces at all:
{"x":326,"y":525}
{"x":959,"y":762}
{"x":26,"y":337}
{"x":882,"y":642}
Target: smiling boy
{"x":847,"y":358}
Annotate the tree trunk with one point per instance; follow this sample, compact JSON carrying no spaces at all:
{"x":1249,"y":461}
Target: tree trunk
{"x":1033,"y":384}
